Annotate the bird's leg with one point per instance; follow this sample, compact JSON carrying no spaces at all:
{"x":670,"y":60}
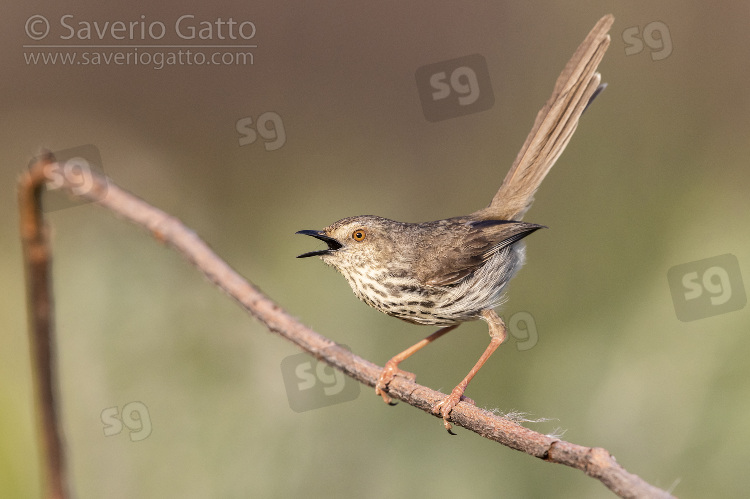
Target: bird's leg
{"x":391,"y":367}
{"x":498,"y":334}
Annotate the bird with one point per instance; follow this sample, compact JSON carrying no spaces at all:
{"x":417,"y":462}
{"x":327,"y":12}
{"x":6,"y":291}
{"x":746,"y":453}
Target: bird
{"x":447,"y":272}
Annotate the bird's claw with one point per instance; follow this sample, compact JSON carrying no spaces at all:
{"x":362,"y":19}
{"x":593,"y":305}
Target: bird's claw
{"x":389,"y":372}
{"x":445,"y":406}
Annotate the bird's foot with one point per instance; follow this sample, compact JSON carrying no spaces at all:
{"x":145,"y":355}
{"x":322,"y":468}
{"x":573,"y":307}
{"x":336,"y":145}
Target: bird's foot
{"x":390,"y":371}
{"x":445,"y":406}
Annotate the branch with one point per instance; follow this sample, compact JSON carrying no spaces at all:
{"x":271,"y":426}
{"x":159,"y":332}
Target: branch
{"x":37,"y":256}
{"x":595,"y":462}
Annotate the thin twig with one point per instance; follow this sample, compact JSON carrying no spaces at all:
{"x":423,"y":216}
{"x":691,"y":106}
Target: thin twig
{"x":37,"y":255}
{"x":595,"y":462}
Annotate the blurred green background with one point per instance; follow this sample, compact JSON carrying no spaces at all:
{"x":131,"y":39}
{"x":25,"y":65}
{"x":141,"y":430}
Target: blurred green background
{"x":656,"y":176}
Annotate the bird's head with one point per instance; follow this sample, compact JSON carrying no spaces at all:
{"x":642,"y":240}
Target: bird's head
{"x":356,"y":243}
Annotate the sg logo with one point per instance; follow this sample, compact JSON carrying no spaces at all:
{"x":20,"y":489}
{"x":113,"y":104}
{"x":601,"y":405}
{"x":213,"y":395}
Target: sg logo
{"x":269,"y":126}
{"x":454,"y":88}
{"x":311,"y":384}
{"x":522,"y":327}
{"x":707,"y":287}
{"x":74,"y":166}
{"x":134,"y":415}
{"x":661,"y":46}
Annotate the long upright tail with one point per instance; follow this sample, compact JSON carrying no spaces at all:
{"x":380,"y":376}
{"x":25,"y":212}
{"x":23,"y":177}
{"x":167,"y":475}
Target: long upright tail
{"x":553,"y":128}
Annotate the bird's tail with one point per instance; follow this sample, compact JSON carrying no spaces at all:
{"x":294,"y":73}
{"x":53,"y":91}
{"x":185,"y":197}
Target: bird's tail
{"x":554,"y":126}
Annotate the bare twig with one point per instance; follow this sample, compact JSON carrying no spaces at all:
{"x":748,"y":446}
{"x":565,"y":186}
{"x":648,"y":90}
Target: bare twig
{"x":595,"y":462}
{"x":38,"y":260}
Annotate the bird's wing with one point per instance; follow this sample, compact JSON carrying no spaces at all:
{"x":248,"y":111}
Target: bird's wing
{"x":462,"y":255}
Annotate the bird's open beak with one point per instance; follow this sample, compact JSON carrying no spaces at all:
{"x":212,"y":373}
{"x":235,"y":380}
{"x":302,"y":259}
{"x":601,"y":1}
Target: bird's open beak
{"x":333,"y":244}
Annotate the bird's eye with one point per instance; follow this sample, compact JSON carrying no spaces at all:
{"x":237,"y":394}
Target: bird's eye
{"x":359,"y":235}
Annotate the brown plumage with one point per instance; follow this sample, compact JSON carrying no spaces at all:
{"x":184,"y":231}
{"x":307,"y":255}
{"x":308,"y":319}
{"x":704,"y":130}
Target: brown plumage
{"x":450,"y":271}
